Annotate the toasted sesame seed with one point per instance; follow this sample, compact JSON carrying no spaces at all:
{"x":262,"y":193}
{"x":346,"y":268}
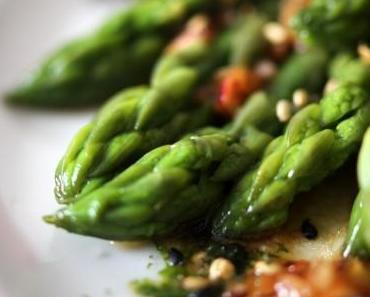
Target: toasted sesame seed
{"x":284,"y":110}
{"x":193,"y":283}
{"x":330,"y":86}
{"x":266,"y":69}
{"x":364,"y":53}
{"x":262,"y":267}
{"x":221,"y":268}
{"x":199,"y":258}
{"x":300,"y":98}
{"x":276,"y":33}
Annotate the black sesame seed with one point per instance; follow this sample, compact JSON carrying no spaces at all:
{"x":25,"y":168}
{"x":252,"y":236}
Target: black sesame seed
{"x":309,"y":230}
{"x":175,"y":257}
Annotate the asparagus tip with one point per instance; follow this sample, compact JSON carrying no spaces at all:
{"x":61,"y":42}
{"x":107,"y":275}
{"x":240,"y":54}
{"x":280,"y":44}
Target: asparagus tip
{"x":51,"y":219}
{"x":15,"y":96}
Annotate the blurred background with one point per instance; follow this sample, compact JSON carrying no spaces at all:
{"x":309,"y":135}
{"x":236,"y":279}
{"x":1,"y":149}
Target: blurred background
{"x":35,"y":259}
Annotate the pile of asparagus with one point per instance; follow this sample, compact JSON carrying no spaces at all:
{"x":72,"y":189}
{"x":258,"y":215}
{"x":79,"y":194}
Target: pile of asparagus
{"x":157,"y":159}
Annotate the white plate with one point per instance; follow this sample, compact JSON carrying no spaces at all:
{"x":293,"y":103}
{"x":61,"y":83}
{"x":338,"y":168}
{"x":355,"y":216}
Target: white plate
{"x":37,"y":260}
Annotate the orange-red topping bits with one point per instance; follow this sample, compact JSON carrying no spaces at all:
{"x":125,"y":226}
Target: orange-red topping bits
{"x":235,"y":84}
{"x":311,"y":279}
{"x":198,"y":29}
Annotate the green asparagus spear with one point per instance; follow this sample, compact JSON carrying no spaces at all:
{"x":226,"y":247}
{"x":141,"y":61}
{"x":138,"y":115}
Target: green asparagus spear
{"x":268,"y":7}
{"x":317,"y":141}
{"x":258,"y":111}
{"x":335,"y":24}
{"x":167,"y":188}
{"x":248,"y":43}
{"x":121,"y":53}
{"x":302,"y":70}
{"x":358,"y":238}
{"x":141,"y":118}
{"x":152,"y":197}
{"x":347,"y":69}
{"x":305,"y":70}
{"x":135,"y":121}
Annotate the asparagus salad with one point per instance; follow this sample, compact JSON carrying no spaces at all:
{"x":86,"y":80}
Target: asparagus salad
{"x":229,"y":138}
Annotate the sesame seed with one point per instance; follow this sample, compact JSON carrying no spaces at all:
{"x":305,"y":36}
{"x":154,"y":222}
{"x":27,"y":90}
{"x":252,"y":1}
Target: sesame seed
{"x":330,"y":86}
{"x":284,"y":110}
{"x":300,"y":98}
{"x":194,"y":283}
{"x":262,"y":267}
{"x":266,"y":69}
{"x":364,"y":53}
{"x":199,"y":258}
{"x":221,"y":268}
{"x":275,"y":33}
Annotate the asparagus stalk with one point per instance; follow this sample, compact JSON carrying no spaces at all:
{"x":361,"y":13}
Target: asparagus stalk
{"x":208,"y":164}
{"x":167,"y":188}
{"x":248,"y":42}
{"x":258,"y":112}
{"x":302,"y":70}
{"x":305,"y":70}
{"x":268,"y":7}
{"x":346,"y":69}
{"x":334,"y":24}
{"x":358,"y":238}
{"x":120,"y":53}
{"x":142,"y":118}
{"x":317,"y":141}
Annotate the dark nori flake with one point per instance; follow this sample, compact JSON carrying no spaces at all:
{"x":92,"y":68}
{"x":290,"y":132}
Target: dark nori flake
{"x":175,"y":257}
{"x":309,"y":230}
{"x":212,"y":291}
